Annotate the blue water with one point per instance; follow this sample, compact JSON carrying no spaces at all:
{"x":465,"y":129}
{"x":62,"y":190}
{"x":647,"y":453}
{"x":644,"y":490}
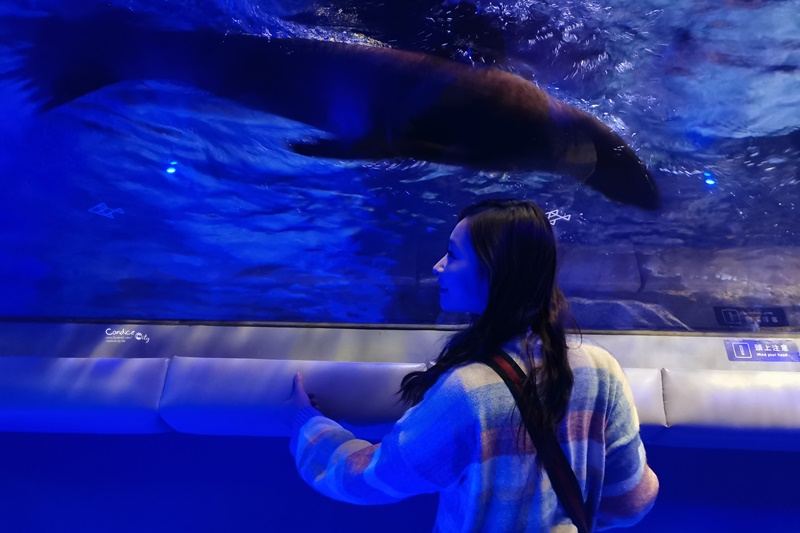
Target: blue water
{"x":149,"y":200}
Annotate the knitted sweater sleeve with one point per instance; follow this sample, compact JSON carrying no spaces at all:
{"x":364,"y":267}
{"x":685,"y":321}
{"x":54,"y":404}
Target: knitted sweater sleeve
{"x":426,"y":451}
{"x":629,"y":485}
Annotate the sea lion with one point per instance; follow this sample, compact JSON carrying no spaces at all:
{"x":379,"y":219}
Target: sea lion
{"x":376,"y":103}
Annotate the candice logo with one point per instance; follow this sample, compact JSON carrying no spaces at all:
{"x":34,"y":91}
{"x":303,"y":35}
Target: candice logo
{"x":124,"y":335}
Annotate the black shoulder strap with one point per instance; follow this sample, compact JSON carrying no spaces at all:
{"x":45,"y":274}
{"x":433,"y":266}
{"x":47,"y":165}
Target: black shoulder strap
{"x":563,"y":479}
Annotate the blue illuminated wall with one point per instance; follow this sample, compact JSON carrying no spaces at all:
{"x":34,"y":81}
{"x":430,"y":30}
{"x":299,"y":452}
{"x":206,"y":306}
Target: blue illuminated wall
{"x":190,"y":483}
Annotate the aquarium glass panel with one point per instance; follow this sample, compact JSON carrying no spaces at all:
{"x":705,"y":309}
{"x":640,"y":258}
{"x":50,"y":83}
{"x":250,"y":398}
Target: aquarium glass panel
{"x":305,"y":161}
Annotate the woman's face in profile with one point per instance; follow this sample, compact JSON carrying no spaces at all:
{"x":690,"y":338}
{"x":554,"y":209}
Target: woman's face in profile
{"x":462,"y":286}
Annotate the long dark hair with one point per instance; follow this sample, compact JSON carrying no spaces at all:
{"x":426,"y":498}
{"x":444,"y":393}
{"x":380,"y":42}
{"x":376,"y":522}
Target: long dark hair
{"x":516,"y":248}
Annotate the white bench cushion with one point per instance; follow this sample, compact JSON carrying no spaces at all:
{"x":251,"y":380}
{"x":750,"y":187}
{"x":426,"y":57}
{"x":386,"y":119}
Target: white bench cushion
{"x":221,"y":396}
{"x":71,"y":395}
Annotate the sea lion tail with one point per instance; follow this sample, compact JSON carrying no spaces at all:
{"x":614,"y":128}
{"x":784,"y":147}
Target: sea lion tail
{"x":619,"y":174}
{"x":60,"y":59}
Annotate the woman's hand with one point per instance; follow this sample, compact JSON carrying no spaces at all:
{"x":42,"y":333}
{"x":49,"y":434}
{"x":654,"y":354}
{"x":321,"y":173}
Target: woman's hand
{"x":298,"y":400}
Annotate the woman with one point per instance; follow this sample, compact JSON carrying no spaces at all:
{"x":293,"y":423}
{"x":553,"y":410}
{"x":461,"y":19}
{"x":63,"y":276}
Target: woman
{"x":463,"y":437}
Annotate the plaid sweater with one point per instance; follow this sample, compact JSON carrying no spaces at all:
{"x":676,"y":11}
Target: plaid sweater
{"x":461,"y":442}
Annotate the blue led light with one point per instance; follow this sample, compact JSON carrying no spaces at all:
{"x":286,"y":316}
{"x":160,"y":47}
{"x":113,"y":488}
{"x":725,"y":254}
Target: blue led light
{"x":171,"y":170}
{"x":173,"y":163}
{"x":709,"y":178}
{"x":711,"y":181}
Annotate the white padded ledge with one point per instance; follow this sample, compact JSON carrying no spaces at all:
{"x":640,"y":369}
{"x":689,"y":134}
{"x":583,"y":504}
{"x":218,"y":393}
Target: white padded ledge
{"x":648,"y":396}
{"x":67,"y":395}
{"x":732,"y":409}
{"x":735,"y":399}
{"x":222,"y":396}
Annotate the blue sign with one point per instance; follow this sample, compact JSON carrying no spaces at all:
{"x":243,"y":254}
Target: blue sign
{"x":762,"y":350}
